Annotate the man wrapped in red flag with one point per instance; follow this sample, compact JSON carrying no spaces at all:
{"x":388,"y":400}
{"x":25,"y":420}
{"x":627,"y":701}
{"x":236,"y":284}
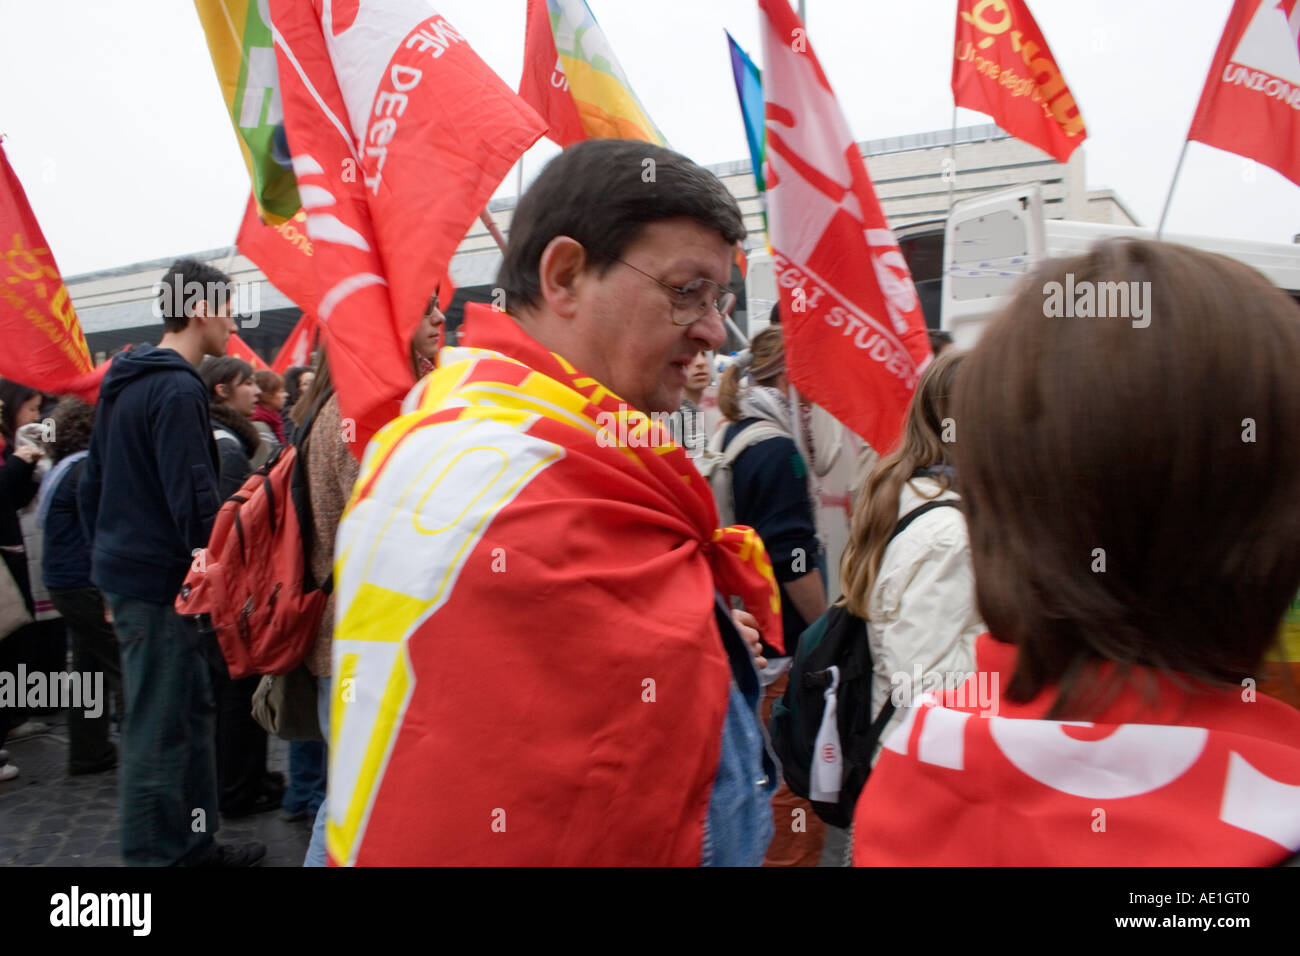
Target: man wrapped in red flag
{"x":855,"y":336}
{"x":535,"y":661}
{"x":400,"y":134}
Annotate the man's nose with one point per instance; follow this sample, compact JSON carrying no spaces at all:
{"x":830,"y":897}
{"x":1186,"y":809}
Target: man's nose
{"x":710,"y":331}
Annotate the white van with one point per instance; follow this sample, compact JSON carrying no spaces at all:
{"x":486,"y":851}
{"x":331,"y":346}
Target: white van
{"x":989,"y":242}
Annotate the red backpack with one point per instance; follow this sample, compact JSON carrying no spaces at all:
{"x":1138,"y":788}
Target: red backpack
{"x":252,"y":585}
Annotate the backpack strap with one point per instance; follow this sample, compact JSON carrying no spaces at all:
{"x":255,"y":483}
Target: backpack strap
{"x":915,"y":513}
{"x":749,"y":436}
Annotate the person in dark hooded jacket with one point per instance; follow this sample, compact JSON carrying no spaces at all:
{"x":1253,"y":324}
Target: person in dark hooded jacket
{"x":148,"y":497}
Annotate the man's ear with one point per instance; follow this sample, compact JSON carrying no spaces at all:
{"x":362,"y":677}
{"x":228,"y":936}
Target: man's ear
{"x":559,"y":272}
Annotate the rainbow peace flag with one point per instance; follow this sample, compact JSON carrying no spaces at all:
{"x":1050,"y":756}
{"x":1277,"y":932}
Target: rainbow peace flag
{"x":606,"y":105}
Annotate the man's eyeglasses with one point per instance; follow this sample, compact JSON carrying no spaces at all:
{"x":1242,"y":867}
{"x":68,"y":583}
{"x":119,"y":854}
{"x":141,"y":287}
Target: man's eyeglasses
{"x":692,"y":301}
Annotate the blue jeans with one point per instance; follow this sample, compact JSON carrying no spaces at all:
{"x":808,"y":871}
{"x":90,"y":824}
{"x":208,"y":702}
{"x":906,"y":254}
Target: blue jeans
{"x":306,"y":788}
{"x":738,"y":827}
{"x":316,"y":849}
{"x":169,"y":770}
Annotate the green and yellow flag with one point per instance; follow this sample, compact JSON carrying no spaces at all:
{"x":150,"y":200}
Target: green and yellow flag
{"x":244,"y":57}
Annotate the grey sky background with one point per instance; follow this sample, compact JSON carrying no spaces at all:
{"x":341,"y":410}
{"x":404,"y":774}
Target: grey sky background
{"x":116,"y":126}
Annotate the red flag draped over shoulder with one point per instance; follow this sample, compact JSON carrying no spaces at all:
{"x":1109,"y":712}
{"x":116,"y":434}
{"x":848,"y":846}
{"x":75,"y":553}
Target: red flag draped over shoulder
{"x":399,"y":134}
{"x":855,"y":337}
{"x":44,"y":347}
{"x":1002,"y":66}
{"x":1251,"y":97}
{"x":486,"y":727}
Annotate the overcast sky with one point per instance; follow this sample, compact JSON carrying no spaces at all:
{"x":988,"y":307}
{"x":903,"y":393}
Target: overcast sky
{"x":116,"y":126}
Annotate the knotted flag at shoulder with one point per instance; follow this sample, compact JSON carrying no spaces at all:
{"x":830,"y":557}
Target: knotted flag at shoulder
{"x":399,"y":134}
{"x":855,"y":337}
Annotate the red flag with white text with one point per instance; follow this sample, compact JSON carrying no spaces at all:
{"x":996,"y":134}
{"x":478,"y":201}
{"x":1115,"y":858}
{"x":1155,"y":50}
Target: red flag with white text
{"x":296,"y":349}
{"x":855,"y":338}
{"x":400,"y":134}
{"x":1251,"y":101}
{"x":44,"y":347}
{"x":1002,"y":66}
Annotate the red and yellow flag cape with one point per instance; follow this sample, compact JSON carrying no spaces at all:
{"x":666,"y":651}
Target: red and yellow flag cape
{"x":527,"y":669}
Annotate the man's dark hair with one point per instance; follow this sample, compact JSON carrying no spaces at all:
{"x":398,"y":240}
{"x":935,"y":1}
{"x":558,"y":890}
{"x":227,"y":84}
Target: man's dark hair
{"x":603,"y":193}
{"x":175,"y":285}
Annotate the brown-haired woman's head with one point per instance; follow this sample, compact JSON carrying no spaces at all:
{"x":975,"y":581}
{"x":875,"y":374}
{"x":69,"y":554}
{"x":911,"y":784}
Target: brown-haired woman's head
{"x":925,"y":444}
{"x":1130,"y":481}
{"x":272,"y":389}
{"x":764,"y":360}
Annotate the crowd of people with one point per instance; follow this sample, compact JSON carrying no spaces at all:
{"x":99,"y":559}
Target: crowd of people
{"x":1068,"y":576}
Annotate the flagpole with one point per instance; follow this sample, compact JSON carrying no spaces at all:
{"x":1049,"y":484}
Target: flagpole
{"x":952,"y":157}
{"x":485,"y":217}
{"x":1172,"y":186}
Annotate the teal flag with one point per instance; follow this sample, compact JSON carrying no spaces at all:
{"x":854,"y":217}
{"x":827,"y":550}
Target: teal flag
{"x":749,"y":88}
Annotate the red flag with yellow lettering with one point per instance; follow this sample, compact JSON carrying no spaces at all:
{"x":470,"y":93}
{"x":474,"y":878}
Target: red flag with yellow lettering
{"x":400,"y":134}
{"x":44,"y":347}
{"x":283,"y":252}
{"x":1002,"y":66}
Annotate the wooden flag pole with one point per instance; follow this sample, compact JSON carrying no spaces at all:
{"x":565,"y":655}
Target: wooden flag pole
{"x":485,"y":217}
{"x":1172,"y":186}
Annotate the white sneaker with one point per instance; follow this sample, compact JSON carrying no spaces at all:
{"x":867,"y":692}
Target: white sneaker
{"x":30,"y":728}
{"x":8,"y":772}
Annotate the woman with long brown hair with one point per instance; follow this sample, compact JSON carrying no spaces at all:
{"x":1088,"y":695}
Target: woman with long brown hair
{"x":1130,"y":489}
{"x":914,"y":586}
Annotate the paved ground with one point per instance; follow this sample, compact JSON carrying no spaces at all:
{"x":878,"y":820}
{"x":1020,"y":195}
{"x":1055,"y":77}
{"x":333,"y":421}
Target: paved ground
{"x":48,"y":818}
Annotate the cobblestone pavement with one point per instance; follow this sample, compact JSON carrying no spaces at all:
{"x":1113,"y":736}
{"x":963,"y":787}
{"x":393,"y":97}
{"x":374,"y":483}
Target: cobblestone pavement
{"x":48,"y":818}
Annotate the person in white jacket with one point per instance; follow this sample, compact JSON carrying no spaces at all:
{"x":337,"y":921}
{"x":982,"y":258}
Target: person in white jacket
{"x":916,"y":589}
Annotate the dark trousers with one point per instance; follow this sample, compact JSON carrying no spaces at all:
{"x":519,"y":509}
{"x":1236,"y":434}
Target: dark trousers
{"x":240,"y":742}
{"x":94,"y":649}
{"x":168,"y":778}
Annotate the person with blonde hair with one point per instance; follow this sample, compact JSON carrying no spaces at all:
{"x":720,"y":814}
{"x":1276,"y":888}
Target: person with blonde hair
{"x":913,"y":583}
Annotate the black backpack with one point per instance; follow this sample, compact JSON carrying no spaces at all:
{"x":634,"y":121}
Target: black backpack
{"x":836,"y":639}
